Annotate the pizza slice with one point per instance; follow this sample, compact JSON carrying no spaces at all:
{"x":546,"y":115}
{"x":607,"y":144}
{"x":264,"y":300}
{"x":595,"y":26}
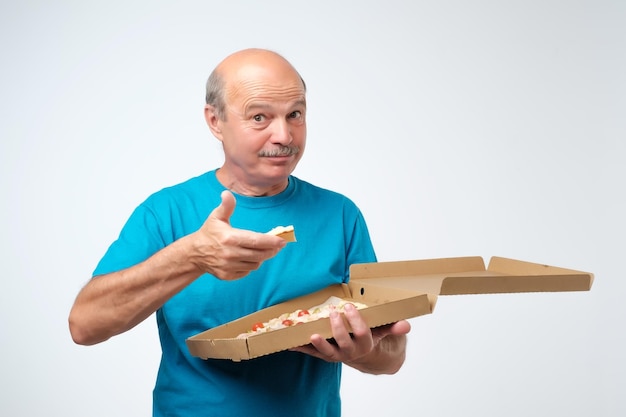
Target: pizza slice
{"x":286,"y":232}
{"x":294,"y":318}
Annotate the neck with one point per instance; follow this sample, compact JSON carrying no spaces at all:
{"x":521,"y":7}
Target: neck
{"x":250,"y":190}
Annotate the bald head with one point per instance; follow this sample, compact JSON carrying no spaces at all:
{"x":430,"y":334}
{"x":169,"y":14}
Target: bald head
{"x":245,"y":67}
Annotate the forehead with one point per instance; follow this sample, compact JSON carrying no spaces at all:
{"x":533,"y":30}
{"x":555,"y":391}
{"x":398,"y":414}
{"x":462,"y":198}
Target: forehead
{"x":259,"y":85}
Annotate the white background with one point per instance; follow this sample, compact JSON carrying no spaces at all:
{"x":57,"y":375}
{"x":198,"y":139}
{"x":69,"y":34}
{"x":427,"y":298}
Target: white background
{"x":459,"y":127}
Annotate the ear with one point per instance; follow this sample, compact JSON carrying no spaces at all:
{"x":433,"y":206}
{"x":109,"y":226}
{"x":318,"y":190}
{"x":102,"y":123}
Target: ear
{"x":213,"y":121}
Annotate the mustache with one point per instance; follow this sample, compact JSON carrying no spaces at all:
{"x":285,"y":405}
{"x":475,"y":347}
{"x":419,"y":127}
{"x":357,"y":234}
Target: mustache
{"x":283,"y":150}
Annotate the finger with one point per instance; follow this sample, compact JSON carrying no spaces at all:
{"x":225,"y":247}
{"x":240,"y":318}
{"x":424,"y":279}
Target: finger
{"x":323,"y":349}
{"x":399,"y":328}
{"x":226,"y":207}
{"x":311,"y":350}
{"x":257,"y":245}
{"x":341,"y":336}
{"x":339,"y":329}
{"x":357,"y":323}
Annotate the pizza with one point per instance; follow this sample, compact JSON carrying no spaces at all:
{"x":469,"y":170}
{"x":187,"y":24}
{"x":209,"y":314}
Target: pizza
{"x":294,"y":318}
{"x":286,"y":232}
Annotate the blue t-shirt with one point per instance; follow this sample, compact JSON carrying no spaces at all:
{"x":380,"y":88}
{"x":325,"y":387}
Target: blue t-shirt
{"x":331,"y":234}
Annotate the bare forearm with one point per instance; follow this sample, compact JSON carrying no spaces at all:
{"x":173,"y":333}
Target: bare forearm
{"x":386,"y":358}
{"x":114,"y":303}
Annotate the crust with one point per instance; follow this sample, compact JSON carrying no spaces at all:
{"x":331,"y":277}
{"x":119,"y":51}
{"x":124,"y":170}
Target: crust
{"x":285,"y":232}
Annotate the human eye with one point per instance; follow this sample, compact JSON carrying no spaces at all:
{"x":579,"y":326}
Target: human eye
{"x":297,"y":114}
{"x":258,"y":118}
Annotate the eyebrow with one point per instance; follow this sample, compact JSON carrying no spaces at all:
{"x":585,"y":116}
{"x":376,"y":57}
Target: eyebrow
{"x":265,"y":106}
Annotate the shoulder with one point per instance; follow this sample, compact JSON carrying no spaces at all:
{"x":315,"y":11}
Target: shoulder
{"x":321,"y":193}
{"x":190,"y":189}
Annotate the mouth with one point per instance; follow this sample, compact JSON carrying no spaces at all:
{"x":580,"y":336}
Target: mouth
{"x":279,"y":160}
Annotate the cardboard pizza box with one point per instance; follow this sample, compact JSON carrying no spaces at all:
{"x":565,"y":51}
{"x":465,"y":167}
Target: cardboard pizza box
{"x":384,"y":305}
{"x":392,"y":291}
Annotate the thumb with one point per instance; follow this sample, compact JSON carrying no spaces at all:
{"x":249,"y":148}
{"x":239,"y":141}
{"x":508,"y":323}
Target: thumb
{"x":226,"y":208}
{"x":399,"y":328}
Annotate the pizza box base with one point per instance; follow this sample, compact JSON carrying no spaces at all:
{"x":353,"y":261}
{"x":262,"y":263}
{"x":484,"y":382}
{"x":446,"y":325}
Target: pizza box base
{"x":384,"y":306}
{"x":392,"y":291}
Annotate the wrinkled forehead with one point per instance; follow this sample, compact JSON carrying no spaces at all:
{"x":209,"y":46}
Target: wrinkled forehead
{"x":260,"y":84}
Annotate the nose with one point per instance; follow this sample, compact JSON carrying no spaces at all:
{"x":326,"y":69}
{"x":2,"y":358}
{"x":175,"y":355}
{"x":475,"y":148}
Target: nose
{"x":281,"y":132}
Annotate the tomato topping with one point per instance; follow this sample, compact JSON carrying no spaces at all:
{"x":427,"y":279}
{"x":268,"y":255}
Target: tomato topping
{"x":257,"y":326}
{"x":303,"y":313}
{"x":287,"y":322}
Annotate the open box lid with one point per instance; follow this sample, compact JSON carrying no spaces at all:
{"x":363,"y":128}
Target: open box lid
{"x":468,"y":275}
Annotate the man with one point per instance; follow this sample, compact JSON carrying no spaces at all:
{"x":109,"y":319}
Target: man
{"x":188,"y":254}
